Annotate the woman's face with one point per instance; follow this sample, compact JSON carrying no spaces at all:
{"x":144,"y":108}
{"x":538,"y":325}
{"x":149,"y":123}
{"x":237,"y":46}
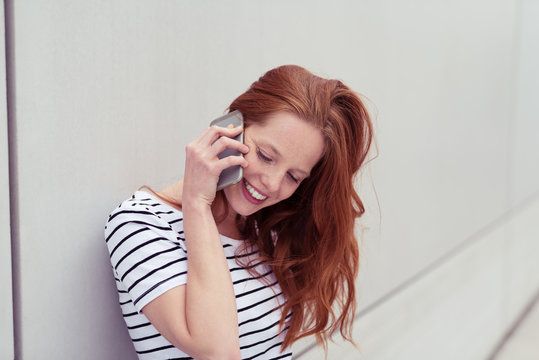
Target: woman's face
{"x":282,"y":152}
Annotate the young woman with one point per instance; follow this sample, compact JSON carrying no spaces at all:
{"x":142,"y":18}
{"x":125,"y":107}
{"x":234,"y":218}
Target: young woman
{"x":244,"y":272}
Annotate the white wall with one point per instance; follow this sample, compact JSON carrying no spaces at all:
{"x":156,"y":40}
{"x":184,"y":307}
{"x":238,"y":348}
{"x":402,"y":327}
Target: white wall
{"x":6,"y":309}
{"x":108,"y":93}
{"x":525,"y":157}
{"x":522,"y":281}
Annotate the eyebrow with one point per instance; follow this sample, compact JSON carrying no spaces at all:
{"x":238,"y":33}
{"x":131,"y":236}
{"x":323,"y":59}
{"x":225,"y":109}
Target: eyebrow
{"x":306,"y":174}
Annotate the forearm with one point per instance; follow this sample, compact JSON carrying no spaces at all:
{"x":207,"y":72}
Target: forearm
{"x":210,"y":306}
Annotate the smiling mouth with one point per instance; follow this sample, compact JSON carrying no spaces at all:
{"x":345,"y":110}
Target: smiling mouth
{"x":255,"y":194}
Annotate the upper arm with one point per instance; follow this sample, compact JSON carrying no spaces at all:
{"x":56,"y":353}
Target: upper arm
{"x":146,"y":254}
{"x":167,"y":315}
{"x":149,"y":261}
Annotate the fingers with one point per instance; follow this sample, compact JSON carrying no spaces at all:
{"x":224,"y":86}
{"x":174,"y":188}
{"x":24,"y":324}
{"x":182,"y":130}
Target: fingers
{"x":202,"y":153}
{"x":202,"y":164}
{"x":211,"y":134}
{"x":227,"y":143}
{"x":232,"y":161}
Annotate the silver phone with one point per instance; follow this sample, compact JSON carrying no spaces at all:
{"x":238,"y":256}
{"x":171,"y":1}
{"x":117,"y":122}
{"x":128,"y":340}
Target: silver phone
{"x":233,"y":174}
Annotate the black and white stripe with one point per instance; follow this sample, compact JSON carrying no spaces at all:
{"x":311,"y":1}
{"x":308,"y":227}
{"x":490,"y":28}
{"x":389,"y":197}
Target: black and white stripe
{"x":148,"y":256}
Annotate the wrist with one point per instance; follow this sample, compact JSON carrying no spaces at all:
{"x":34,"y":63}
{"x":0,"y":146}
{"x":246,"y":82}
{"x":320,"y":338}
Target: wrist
{"x":196,"y":206}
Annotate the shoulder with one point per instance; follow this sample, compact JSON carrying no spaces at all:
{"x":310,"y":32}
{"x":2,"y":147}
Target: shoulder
{"x":144,"y":206}
{"x":145,"y":211}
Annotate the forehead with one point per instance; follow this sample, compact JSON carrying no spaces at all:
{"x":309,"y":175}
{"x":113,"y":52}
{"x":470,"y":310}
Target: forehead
{"x":299,"y":143}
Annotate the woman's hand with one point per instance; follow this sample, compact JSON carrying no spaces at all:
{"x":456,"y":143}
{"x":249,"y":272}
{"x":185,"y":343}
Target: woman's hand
{"x":203,"y":167}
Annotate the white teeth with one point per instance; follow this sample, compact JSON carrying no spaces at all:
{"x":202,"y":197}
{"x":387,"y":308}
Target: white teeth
{"x":253,"y":192}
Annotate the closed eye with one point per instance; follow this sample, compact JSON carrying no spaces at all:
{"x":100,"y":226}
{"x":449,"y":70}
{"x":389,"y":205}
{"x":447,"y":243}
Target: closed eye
{"x":262,"y":156}
{"x":293,"y":178}
{"x":267,"y":159}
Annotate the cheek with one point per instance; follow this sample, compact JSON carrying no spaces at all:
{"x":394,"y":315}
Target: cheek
{"x":287,"y":191}
{"x":253,"y":161}
{"x":249,"y":156}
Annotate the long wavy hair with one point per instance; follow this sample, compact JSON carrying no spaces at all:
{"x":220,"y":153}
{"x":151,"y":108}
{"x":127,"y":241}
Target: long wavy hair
{"x":308,"y":239}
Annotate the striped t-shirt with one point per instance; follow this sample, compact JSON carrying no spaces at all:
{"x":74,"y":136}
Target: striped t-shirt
{"x":148,"y":253}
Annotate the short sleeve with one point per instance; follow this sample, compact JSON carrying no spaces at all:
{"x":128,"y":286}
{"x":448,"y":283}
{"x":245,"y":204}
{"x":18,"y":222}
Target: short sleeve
{"x":147,"y":254}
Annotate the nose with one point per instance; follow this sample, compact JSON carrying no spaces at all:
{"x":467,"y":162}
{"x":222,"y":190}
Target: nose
{"x":272,"y":181}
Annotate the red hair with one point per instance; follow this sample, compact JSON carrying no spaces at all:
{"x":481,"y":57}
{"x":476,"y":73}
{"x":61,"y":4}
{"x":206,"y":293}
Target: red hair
{"x":316,"y":256}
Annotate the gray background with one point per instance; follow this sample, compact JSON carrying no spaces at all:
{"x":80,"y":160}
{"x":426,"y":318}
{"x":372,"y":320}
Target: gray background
{"x":104,"y":95}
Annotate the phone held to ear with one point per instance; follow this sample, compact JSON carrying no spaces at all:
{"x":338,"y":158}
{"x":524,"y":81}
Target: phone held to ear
{"x":233,"y":174}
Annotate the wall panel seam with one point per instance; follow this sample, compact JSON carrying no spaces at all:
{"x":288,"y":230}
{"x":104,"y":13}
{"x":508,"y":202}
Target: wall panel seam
{"x":490,"y":227}
{"x":13,"y":174}
{"x":515,"y":325}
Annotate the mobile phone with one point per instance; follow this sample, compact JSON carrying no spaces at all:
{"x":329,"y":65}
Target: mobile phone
{"x":233,"y":174}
